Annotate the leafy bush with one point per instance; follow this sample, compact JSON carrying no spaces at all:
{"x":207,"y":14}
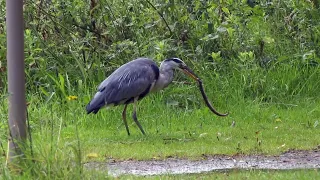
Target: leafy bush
{"x":270,"y":47}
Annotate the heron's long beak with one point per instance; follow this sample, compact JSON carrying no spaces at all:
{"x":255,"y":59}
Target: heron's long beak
{"x":189,"y":72}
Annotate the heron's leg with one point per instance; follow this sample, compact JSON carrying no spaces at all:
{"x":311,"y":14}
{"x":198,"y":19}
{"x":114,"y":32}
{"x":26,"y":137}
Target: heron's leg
{"x":134,"y":116}
{"x":124,"y":117}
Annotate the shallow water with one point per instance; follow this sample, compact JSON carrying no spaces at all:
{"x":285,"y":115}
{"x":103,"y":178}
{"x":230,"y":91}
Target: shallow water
{"x":288,"y":160}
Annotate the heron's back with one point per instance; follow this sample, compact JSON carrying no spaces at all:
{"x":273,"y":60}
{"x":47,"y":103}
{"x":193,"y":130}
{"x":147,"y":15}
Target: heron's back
{"x":132,"y":80}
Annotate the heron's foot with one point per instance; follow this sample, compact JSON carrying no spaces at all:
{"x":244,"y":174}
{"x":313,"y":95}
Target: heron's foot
{"x":134,"y":116}
{"x":128,"y":132}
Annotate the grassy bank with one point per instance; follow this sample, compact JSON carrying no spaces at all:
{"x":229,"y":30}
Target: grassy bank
{"x":177,"y":124}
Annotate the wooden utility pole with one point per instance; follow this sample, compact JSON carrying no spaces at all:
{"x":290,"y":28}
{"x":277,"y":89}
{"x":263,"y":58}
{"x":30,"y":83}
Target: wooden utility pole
{"x":16,"y":79}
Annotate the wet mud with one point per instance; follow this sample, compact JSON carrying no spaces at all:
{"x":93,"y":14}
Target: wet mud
{"x":289,"y":160}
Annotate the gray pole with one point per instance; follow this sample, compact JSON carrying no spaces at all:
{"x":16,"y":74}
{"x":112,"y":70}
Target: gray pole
{"x":16,"y":78}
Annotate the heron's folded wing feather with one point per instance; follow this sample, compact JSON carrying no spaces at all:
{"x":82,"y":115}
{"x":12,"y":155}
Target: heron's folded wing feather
{"x":127,"y":82}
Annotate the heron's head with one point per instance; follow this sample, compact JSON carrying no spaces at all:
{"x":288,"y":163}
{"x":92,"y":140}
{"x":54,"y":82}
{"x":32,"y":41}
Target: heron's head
{"x":177,"y":63}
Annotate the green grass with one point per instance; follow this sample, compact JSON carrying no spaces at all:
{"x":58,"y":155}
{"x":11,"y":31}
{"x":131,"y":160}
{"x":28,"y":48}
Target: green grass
{"x":177,"y":124}
{"x":259,"y":128}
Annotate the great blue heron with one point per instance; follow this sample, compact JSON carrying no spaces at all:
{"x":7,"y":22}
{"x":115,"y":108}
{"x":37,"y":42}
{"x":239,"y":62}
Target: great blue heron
{"x":133,"y":81}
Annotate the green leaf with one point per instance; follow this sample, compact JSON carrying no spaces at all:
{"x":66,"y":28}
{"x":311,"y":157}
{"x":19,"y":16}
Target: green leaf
{"x":268,"y":40}
{"x":226,"y":10}
{"x":62,"y":84}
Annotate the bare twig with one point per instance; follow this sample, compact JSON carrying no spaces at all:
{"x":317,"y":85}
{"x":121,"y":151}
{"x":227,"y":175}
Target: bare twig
{"x":30,"y":137}
{"x":3,"y":151}
{"x":114,"y":17}
{"x":160,"y":14}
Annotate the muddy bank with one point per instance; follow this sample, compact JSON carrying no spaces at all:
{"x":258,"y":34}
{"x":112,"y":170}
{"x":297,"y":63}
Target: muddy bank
{"x":289,"y":160}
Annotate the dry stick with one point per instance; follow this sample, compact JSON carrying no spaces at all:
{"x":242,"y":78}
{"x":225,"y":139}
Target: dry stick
{"x":30,"y":136}
{"x":206,"y":100}
{"x":14,"y":144}
{"x":79,"y":148}
{"x":4,"y":151}
{"x":2,"y":147}
{"x":50,"y":16}
{"x":114,"y":17}
{"x":164,"y":20}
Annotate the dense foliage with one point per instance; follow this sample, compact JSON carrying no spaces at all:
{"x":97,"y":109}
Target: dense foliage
{"x":266,"y":49}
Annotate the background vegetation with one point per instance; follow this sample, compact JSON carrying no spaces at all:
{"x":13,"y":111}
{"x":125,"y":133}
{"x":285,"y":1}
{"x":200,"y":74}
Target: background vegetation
{"x":258,"y":60}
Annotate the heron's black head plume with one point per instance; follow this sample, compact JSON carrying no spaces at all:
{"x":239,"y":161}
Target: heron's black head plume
{"x":176,"y":60}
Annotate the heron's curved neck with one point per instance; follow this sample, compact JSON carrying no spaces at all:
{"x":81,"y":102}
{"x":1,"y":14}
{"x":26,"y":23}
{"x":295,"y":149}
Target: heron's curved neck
{"x":165,"y":77}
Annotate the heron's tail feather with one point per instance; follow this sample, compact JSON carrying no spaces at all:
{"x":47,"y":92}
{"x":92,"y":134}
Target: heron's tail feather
{"x":95,"y":104}
{"x":90,"y":109}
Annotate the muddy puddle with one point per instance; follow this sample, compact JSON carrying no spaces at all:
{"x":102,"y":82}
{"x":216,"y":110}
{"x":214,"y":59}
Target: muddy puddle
{"x":289,"y":160}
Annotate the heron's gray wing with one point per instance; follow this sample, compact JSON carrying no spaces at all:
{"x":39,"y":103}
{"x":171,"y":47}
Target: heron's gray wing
{"x":131,"y":80}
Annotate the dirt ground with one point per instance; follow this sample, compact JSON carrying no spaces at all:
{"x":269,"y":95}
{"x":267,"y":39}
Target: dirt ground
{"x":293,"y":159}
